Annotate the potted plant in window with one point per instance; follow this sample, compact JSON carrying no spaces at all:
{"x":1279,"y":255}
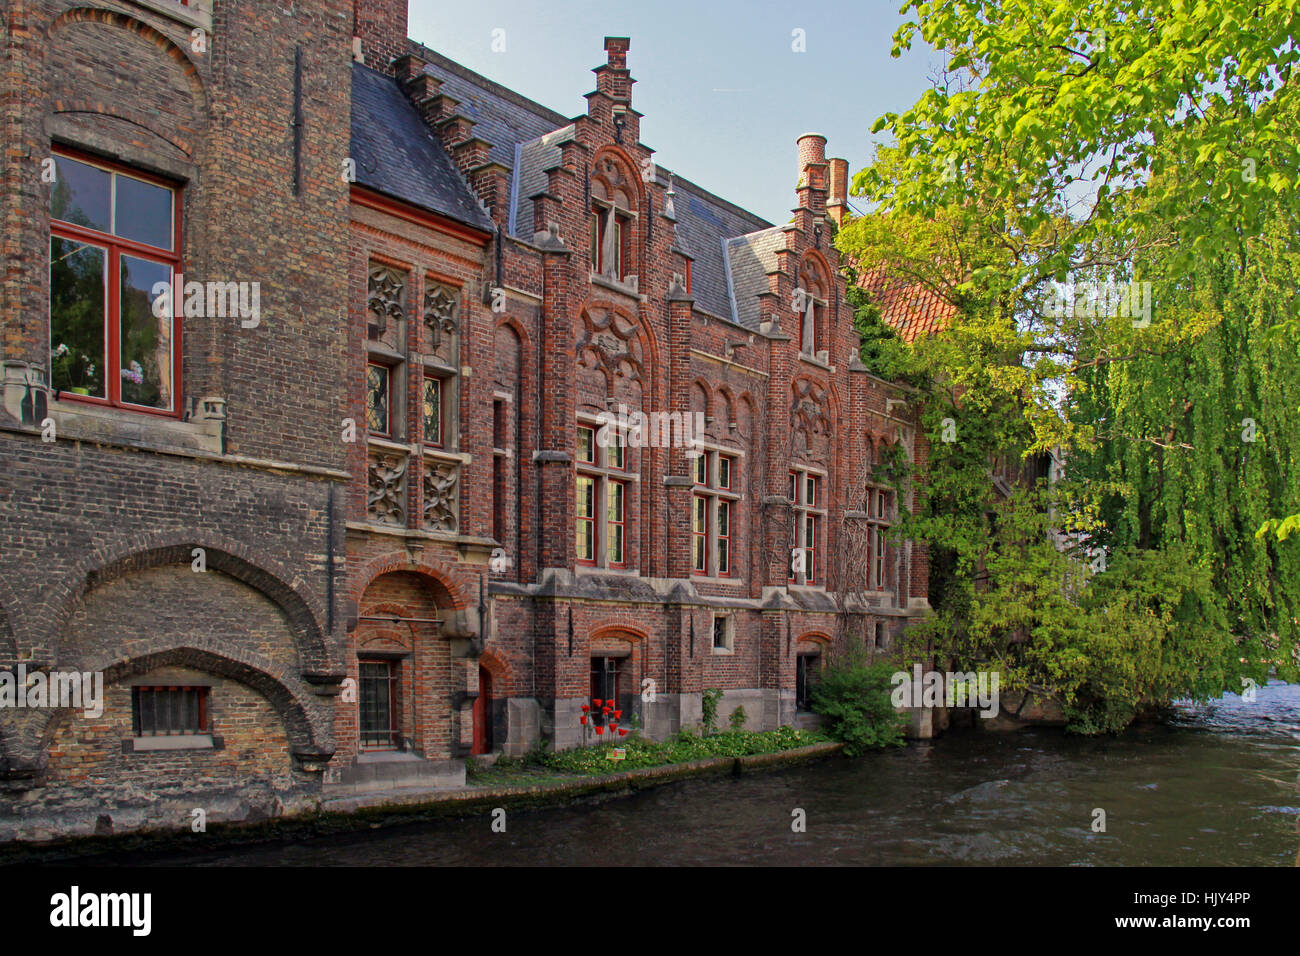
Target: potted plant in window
{"x":74,"y":367}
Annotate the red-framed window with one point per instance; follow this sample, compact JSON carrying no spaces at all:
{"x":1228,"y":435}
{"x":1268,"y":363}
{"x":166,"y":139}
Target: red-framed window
{"x":880,"y":559}
{"x":805,"y":526}
{"x":700,"y":535}
{"x":622,"y":241}
{"x":115,"y":239}
{"x":586,"y":519}
{"x":616,"y":523}
{"x":724,"y":537}
{"x":379,"y":398}
{"x":810,"y":549}
{"x":586,"y":444}
{"x":167,"y":711}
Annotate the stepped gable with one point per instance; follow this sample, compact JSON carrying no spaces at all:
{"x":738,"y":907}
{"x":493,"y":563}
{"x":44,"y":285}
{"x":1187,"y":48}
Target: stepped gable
{"x":526,"y":136}
{"x":396,"y":154}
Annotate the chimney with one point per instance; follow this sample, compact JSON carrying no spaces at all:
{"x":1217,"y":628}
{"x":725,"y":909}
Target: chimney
{"x":613,"y":78}
{"x":380,"y":28}
{"x":837,"y":203}
{"x":812,"y":172}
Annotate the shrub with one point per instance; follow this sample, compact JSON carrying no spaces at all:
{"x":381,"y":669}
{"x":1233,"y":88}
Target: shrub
{"x":737,"y":719}
{"x":709,"y":708}
{"x":854,"y":699}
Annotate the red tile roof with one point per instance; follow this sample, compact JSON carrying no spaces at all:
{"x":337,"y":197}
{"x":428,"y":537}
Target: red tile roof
{"x":909,"y":307}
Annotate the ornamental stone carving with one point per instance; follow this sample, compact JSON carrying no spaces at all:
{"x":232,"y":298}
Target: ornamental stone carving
{"x":440,"y":496}
{"x":386,"y":499}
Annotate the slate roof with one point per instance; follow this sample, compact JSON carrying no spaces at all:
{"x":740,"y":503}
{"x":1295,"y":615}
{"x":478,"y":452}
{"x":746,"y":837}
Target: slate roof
{"x":752,"y":259}
{"x":398,"y":155}
{"x":530,"y":176}
{"x":704,"y":223}
{"x":910,"y":308}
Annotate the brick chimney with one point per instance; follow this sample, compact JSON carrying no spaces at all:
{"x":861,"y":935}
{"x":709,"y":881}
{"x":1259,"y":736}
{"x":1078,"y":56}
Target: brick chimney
{"x":379,"y":29}
{"x":837,"y":203}
{"x":812,"y":173}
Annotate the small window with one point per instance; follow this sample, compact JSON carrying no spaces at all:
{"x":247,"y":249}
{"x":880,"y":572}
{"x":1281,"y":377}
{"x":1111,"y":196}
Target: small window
{"x":617,"y":452}
{"x":724,"y":471}
{"x":169,"y":711}
{"x":880,"y":634}
{"x":587,"y":445}
{"x":616,"y":521}
{"x":722,"y":634}
{"x":586,"y":509}
{"x":700,"y":535}
{"x":433,"y":410}
{"x":810,"y":489}
{"x":378,"y":397}
{"x":724,"y":537}
{"x":378,"y":702}
{"x":702,"y":468}
{"x":880,"y":560}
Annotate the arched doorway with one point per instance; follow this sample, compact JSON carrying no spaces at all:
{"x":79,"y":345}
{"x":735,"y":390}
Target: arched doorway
{"x":483,"y":713}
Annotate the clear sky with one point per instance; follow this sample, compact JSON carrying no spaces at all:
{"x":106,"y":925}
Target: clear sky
{"x":723,"y":93}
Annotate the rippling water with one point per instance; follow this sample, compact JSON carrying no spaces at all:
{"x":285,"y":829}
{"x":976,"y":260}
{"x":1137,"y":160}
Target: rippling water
{"x":1215,"y":785}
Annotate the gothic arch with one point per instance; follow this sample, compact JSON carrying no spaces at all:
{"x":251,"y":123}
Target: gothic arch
{"x":448,"y":590}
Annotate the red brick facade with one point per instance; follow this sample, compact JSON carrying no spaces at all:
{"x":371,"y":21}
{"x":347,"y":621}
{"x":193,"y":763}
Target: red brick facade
{"x":388,"y":583}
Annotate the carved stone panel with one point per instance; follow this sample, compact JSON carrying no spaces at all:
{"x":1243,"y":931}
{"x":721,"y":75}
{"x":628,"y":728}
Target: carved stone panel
{"x":386,"y":498}
{"x":441,"y":493}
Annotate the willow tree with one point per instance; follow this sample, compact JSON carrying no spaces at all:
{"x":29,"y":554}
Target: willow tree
{"x":1116,"y":140}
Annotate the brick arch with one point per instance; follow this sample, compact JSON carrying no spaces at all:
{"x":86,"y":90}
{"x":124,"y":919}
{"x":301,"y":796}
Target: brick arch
{"x":510,"y":322}
{"x":234,"y":558}
{"x":815,"y":637}
{"x":621,"y":632}
{"x":631,"y":170}
{"x":308,"y":737}
{"x":495,"y":665}
{"x":161,"y":41}
{"x":438,"y":571}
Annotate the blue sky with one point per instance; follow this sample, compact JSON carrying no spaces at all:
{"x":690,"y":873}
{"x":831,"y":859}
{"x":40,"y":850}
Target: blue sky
{"x":724,"y":95}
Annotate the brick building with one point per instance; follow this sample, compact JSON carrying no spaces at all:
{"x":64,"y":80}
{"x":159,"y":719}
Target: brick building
{"x":463,"y":412}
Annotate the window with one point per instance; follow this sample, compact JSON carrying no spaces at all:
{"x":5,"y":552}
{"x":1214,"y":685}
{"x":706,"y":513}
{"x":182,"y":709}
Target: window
{"x":807,"y":670}
{"x":114,"y":254}
{"x":807,"y":514}
{"x":616,"y":521}
{"x":378,"y":702}
{"x":880,"y":503}
{"x":723,"y":634}
{"x":603,"y":480}
{"x":379,"y":380}
{"x":880,"y":634}
{"x":432,"y":410}
{"x":169,"y":711}
{"x":714,"y":507}
{"x":611,"y":235}
{"x":808,"y":328}
{"x":605,"y":684}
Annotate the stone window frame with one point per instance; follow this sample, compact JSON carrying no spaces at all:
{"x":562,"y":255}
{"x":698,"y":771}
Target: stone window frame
{"x":728,"y":645}
{"x":395,"y":360}
{"x":802,"y":511}
{"x":114,"y":247}
{"x":713,"y":494}
{"x":880,"y":518}
{"x":604,"y":474}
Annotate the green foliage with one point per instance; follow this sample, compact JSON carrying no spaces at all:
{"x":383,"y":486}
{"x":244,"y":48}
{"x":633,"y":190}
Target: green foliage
{"x":853,"y":698}
{"x":683,"y":747}
{"x":737,"y":719}
{"x":709,"y":708}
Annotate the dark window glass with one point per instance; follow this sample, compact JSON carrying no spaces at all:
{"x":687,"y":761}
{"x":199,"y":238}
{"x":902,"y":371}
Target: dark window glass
{"x":82,"y":195}
{"x":168,"y":711}
{"x":433,"y":410}
{"x":143,"y":212}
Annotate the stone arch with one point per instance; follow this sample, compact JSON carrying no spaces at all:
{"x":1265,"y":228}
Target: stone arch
{"x":234,"y":558}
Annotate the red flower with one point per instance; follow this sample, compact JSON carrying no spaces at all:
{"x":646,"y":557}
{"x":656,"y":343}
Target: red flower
{"x":585,"y":708}
{"x":618,"y":713}
{"x":596,"y":701}
{"x":605,"y":710}
{"x":600,"y":729}
{"x":622,"y":732}
{"x":582,"y":720}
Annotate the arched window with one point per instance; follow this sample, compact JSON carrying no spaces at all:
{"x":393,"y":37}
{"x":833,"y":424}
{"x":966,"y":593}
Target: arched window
{"x":613,"y":222}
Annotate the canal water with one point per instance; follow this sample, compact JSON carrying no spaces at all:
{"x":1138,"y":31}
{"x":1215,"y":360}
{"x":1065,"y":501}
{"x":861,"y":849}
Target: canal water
{"x":1213,"y":785}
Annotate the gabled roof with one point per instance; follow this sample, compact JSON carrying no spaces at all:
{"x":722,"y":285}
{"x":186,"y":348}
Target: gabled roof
{"x":909,"y":307}
{"x":397,"y":154}
{"x":704,"y":223}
